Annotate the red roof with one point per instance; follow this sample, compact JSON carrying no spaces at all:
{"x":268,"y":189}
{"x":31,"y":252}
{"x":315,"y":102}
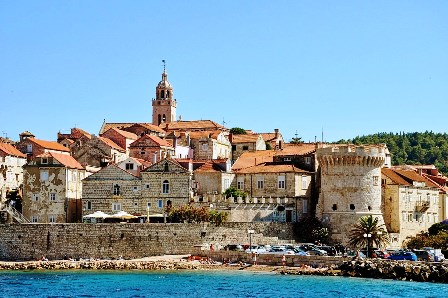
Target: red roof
{"x":66,"y":160}
{"x":11,"y":150}
{"x":237,"y":139}
{"x":249,"y":159}
{"x":50,"y":145}
{"x":111,"y":144}
{"x":126,"y":134}
{"x":296,"y":149}
{"x":209,"y":167}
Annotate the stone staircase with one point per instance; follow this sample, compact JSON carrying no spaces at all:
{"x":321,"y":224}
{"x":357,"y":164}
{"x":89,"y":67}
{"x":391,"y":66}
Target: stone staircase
{"x":16,"y":215}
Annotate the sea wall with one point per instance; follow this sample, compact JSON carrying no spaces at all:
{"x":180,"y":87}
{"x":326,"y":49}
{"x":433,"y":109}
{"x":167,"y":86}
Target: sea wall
{"x":131,"y":241}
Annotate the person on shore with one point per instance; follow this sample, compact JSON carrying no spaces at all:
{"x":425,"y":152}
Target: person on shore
{"x":211,"y":247}
{"x":284,"y":260}
{"x":254,"y":258}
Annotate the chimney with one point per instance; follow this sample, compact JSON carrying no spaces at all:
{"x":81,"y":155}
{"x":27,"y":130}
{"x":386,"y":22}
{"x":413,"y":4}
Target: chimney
{"x":276,"y":133}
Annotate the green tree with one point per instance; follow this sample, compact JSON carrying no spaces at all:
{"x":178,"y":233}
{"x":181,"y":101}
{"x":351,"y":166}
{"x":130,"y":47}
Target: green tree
{"x":437,"y":228}
{"x":233,"y":192}
{"x":296,"y":140}
{"x":368,"y":225}
{"x":238,"y":131}
{"x":311,"y":229}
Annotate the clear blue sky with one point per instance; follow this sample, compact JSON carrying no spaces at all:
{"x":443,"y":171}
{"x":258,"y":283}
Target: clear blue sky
{"x":348,"y":68}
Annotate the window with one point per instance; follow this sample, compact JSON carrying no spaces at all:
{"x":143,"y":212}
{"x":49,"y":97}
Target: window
{"x":304,"y":182}
{"x":233,"y":147}
{"x":335,"y":207}
{"x":34,"y":218}
{"x":166,"y":187}
{"x":43,"y":175}
{"x":148,"y":205}
{"x":287,"y":159}
{"x":226,"y":183}
{"x":166,"y":167}
{"x":308,"y":160}
{"x":375,"y":180}
{"x":147,"y":185}
{"x":116,"y":190}
{"x":204,"y":147}
{"x":305,"y":206}
{"x":260,"y":183}
{"x":409,"y":217}
{"x":383,"y":181}
{"x":89,"y":205}
{"x":160,"y":203}
{"x":129,"y":166}
{"x":142,"y":152}
{"x":135,"y":188}
{"x":281,"y":182}
{"x":51,"y":218}
{"x":35,"y":197}
{"x":245,"y":147}
{"x":44,"y":160}
{"x":240,"y":183}
{"x":29,"y":148}
{"x":352,"y":206}
{"x":52,"y":197}
{"x":116,"y":206}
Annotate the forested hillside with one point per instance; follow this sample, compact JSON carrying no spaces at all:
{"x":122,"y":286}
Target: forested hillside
{"x":411,"y":148}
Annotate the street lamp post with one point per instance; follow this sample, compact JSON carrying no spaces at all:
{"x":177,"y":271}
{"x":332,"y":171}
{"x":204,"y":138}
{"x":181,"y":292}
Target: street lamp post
{"x":368,"y":236}
{"x":250,"y":232}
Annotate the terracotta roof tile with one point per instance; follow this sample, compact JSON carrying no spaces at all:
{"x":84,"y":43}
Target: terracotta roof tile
{"x":248,"y":138}
{"x":296,"y":149}
{"x":269,"y":136}
{"x":394,"y":176}
{"x":213,"y":134}
{"x":249,"y":159}
{"x":159,"y":141}
{"x":122,"y":126}
{"x":126,"y":134}
{"x":11,"y":150}
{"x":209,"y":167}
{"x":50,"y":145}
{"x":192,"y":125}
{"x":67,"y":160}
{"x":111,"y":144}
{"x":272,"y":168}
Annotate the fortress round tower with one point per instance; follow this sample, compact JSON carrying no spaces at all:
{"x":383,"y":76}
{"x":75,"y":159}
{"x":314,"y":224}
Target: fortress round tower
{"x":350,"y":186}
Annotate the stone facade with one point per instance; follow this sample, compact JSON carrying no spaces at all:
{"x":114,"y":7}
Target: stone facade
{"x":11,"y":171}
{"x":31,"y":241}
{"x":213,"y":177}
{"x":246,"y":143}
{"x":52,"y":189}
{"x":99,"y":152}
{"x":210,"y":145}
{"x":164,"y":105}
{"x":110,"y":190}
{"x":410,"y":204}
{"x":120,"y":137}
{"x":350,"y":186}
{"x":151,"y":148}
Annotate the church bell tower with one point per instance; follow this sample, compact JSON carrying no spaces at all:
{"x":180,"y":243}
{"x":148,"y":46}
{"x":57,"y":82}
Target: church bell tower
{"x":164,"y":105}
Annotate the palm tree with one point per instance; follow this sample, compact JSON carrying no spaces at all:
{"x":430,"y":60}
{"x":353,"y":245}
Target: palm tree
{"x":367,"y":232}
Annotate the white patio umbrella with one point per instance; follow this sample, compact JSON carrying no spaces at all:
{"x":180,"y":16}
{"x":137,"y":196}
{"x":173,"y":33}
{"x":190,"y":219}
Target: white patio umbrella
{"x":123,"y":214}
{"x":97,"y":214}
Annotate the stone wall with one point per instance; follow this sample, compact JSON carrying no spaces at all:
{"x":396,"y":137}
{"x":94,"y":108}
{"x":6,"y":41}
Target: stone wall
{"x":55,"y":241}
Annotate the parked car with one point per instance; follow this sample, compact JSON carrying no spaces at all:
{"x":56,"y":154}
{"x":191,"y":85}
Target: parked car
{"x":331,"y":251}
{"x":424,"y":255}
{"x":403,"y":255}
{"x":300,"y":252}
{"x":438,"y":255}
{"x":317,"y":252}
{"x":380,"y":254}
{"x":256,"y":249}
{"x":354,"y":254}
{"x":234,"y":247}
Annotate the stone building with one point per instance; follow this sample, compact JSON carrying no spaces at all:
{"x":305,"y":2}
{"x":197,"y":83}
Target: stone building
{"x":151,"y":148}
{"x":301,"y":155}
{"x":213,"y":177}
{"x":134,"y":165}
{"x":210,"y":145}
{"x":75,"y":139}
{"x":246,"y":143}
{"x":285,"y":187}
{"x":33,"y":147}
{"x":112,"y":189}
{"x":99,"y":152}
{"x":120,"y":137}
{"x":166,"y":183}
{"x":11,"y":171}
{"x":411,"y":204}
{"x":164,"y":105}
{"x":52,"y":188}
{"x":275,"y":139}
{"x":139,"y":129}
{"x":350,"y":186}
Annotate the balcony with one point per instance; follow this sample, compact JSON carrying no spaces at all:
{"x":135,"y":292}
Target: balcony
{"x":422,"y":206}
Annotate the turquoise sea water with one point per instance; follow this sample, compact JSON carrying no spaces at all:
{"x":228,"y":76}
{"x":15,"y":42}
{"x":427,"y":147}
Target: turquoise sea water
{"x":203,"y":284}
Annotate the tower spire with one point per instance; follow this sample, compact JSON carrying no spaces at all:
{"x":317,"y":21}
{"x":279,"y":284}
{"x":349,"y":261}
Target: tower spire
{"x":164,"y":66}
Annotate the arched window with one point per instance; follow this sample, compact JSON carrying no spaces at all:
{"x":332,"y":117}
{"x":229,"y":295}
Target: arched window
{"x":167,"y":94}
{"x":164,"y":118}
{"x":162,"y":94}
{"x":159,"y":119}
{"x":165,"y":187}
{"x":116,"y":190}
{"x":166,"y":168}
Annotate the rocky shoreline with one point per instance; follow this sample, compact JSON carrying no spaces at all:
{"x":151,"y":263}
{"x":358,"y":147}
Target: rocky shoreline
{"x":379,"y":269}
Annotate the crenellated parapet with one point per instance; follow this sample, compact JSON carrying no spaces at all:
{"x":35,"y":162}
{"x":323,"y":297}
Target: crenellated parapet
{"x":351,"y":155}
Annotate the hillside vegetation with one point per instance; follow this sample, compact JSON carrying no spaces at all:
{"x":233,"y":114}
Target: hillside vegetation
{"x":411,"y":148}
